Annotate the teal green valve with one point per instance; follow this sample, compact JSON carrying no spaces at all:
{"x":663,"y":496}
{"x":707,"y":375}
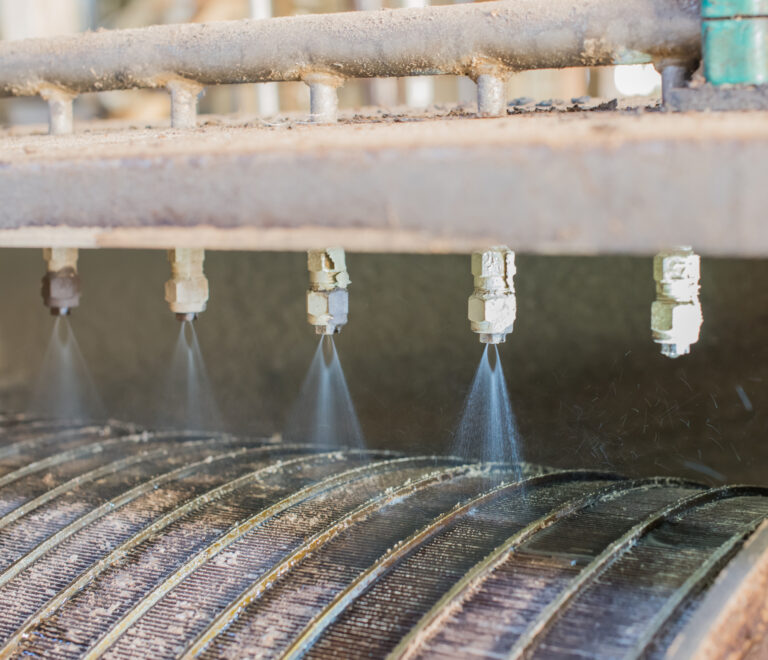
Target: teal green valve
{"x":735,"y":41}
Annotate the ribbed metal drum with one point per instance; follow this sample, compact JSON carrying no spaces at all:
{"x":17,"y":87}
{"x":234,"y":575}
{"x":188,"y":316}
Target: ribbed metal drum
{"x":122,"y":543}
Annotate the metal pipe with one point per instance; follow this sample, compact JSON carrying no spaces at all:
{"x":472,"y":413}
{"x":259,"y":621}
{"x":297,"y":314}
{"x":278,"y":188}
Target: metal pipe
{"x":183,"y":103}
{"x":452,"y":39}
{"x":491,"y":98}
{"x":60,"y":111}
{"x":673,"y":76}
{"x":60,"y":116}
{"x":323,"y":99}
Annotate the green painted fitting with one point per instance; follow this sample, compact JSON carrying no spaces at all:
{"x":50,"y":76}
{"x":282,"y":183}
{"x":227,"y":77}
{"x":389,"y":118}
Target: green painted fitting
{"x":733,"y":8}
{"x":735,"y":41}
{"x":736,"y":51}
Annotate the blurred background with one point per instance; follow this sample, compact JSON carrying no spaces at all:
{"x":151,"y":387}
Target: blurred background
{"x":44,"y":18}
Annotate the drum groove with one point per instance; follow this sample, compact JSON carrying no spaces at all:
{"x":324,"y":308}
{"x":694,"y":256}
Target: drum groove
{"x":97,"y":544}
{"x":539,"y":629}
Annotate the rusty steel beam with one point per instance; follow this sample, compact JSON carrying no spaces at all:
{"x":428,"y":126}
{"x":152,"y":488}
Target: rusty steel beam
{"x":575,"y":183}
{"x":480,"y":39}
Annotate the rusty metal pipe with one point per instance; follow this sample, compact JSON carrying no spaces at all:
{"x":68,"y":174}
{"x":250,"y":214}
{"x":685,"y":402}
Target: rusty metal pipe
{"x":465,"y":39}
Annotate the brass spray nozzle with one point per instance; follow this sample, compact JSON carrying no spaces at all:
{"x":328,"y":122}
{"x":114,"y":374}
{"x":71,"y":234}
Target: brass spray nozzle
{"x":327,"y":297}
{"x":492,"y":305}
{"x":61,"y":283}
{"x":187,"y":291}
{"x":676,"y":316}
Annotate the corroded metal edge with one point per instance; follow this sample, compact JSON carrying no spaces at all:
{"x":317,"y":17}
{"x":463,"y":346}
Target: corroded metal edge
{"x":535,"y":194}
{"x":472,"y":39}
{"x":225,"y":540}
{"x":11,"y":645}
{"x":453,"y":599}
{"x":392,"y":557}
{"x":226,"y":616}
{"x":704,"y":574}
{"x":527,"y":642}
{"x":732,"y":619}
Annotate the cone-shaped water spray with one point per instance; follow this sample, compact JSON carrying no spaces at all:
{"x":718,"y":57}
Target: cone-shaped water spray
{"x":323,"y":413}
{"x":487,"y":429}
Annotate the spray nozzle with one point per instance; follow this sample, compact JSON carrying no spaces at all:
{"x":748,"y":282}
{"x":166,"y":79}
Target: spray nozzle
{"x":187,"y":291}
{"x":676,"y":316}
{"x":61,"y":282}
{"x":492,"y":305}
{"x":327,"y":297}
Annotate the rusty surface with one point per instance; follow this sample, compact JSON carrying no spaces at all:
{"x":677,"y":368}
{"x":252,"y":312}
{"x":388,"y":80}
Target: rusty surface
{"x":732,"y":621}
{"x":145,"y":554}
{"x":469,"y":39}
{"x":553,"y":183}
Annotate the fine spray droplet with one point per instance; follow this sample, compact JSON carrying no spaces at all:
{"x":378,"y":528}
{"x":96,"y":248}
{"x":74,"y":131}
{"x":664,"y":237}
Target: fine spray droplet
{"x":323,"y":413}
{"x":487,"y":429}
{"x":188,"y":401}
{"x":65,"y":388}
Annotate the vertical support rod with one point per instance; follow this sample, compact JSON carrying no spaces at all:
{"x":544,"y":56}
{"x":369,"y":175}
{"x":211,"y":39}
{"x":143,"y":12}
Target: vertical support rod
{"x":61,"y":120}
{"x":323,"y":98}
{"x":267,"y":94}
{"x":673,"y":76}
{"x":491,"y":97}
{"x":60,"y":115}
{"x":419,"y":90}
{"x":184,"y":95}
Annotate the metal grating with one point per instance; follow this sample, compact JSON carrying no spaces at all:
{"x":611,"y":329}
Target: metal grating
{"x":176,"y":545}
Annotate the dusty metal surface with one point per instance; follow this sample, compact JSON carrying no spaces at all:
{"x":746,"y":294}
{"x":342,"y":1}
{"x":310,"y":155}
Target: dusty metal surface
{"x":704,"y":98}
{"x":471,"y":39}
{"x":594,"y":182}
{"x":184,"y":545}
{"x":715,"y":631}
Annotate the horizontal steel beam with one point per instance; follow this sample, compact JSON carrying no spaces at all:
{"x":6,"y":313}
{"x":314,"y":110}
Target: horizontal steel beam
{"x":470,"y":39}
{"x":566,"y":183}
